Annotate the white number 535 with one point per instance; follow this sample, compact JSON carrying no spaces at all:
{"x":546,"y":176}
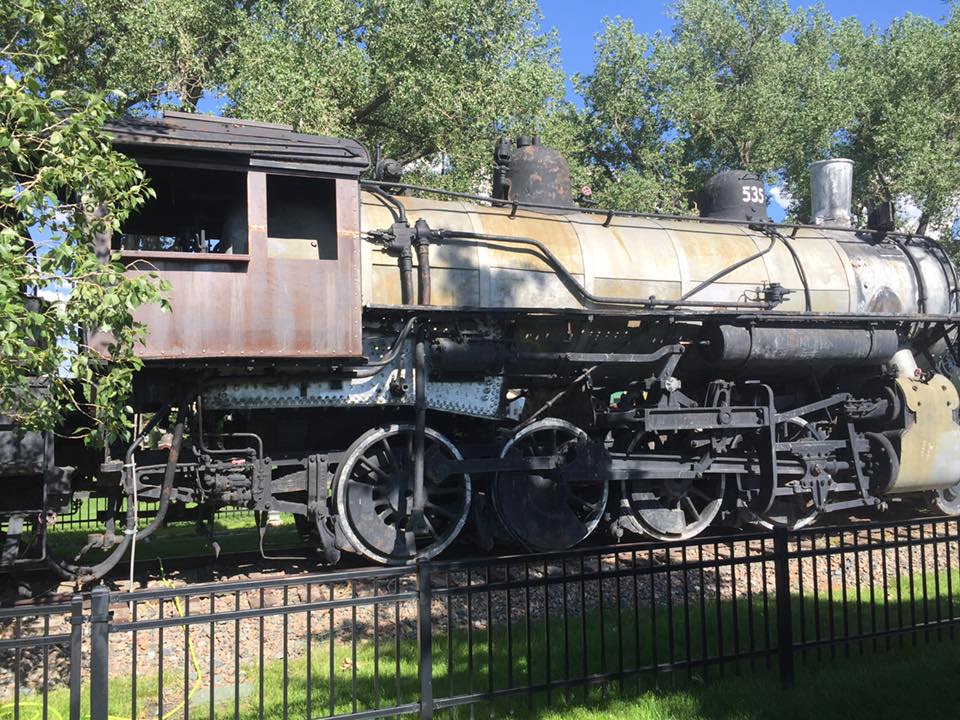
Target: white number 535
{"x":752,"y":193}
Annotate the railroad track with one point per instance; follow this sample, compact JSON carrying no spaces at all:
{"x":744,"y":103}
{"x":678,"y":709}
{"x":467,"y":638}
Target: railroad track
{"x":31,"y":584}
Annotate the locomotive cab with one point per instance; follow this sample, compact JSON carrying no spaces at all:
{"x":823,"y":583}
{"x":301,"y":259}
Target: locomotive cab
{"x":248,"y":220}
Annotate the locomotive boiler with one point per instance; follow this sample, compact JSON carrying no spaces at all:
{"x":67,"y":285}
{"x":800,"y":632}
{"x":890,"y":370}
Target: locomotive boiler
{"x":399,"y":366}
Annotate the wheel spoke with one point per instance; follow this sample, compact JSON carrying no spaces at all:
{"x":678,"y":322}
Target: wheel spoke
{"x":577,"y":501}
{"x":370,"y":466}
{"x":430,"y":529}
{"x":698,"y":492}
{"x":691,"y":507}
{"x":374,"y":495}
{"x":534,"y":444}
{"x":537,"y":507}
{"x":391,"y":458}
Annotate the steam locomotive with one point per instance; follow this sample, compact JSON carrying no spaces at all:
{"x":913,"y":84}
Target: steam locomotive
{"x":399,"y":366}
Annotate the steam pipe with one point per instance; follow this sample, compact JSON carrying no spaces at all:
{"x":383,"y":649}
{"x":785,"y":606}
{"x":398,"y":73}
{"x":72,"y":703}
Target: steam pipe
{"x":807,"y":299}
{"x":579,"y":289}
{"x":423,"y":273}
{"x":395,"y":207}
{"x":405,"y":261}
{"x":373,"y":368}
{"x":422,"y":241}
{"x":729,"y":269}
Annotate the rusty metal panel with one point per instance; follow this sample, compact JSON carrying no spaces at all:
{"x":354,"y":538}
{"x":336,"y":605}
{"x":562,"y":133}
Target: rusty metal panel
{"x":262,"y":145}
{"x":265,"y":307}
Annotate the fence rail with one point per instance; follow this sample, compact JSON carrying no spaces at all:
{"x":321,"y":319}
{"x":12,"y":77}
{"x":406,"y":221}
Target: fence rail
{"x":89,"y":513}
{"x":446,"y":636}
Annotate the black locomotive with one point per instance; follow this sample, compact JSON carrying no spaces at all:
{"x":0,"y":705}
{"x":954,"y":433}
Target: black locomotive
{"x":398,"y":371}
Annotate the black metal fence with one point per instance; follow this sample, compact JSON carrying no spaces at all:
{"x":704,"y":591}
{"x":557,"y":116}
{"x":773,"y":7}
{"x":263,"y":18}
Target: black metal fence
{"x":449,"y":637}
{"x":89,"y":513}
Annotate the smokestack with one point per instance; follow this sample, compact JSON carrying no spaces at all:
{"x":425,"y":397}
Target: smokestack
{"x":831,"y":192}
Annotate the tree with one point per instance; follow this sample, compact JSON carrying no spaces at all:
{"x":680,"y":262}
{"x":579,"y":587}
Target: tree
{"x":905,"y":139}
{"x":163,"y":54}
{"x":432,"y":83}
{"x":737,"y":84}
{"x":60,"y":184}
{"x":750,"y":82}
{"x":625,"y":147}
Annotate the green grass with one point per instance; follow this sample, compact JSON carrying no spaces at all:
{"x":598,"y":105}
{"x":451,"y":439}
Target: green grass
{"x":914,"y":679}
{"x":235,"y":532}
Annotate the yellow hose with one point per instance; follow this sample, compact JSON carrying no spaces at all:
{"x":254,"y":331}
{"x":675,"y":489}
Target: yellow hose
{"x":9,"y":709}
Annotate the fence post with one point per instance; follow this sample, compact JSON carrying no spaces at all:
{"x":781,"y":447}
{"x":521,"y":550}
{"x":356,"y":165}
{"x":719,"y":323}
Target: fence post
{"x":425,"y":638}
{"x":99,"y":652}
{"x":76,"y":654}
{"x":781,"y":563}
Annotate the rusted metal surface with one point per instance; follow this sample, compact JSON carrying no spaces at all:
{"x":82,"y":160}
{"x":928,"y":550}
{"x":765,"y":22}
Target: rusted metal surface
{"x":884,"y":280}
{"x":539,"y":174}
{"x":266,"y":306}
{"x":255,"y":145}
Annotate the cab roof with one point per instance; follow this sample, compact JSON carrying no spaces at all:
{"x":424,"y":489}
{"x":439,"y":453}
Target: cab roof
{"x":187,"y":138}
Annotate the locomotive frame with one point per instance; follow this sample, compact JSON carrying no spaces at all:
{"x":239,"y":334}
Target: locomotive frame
{"x":315,"y":336}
